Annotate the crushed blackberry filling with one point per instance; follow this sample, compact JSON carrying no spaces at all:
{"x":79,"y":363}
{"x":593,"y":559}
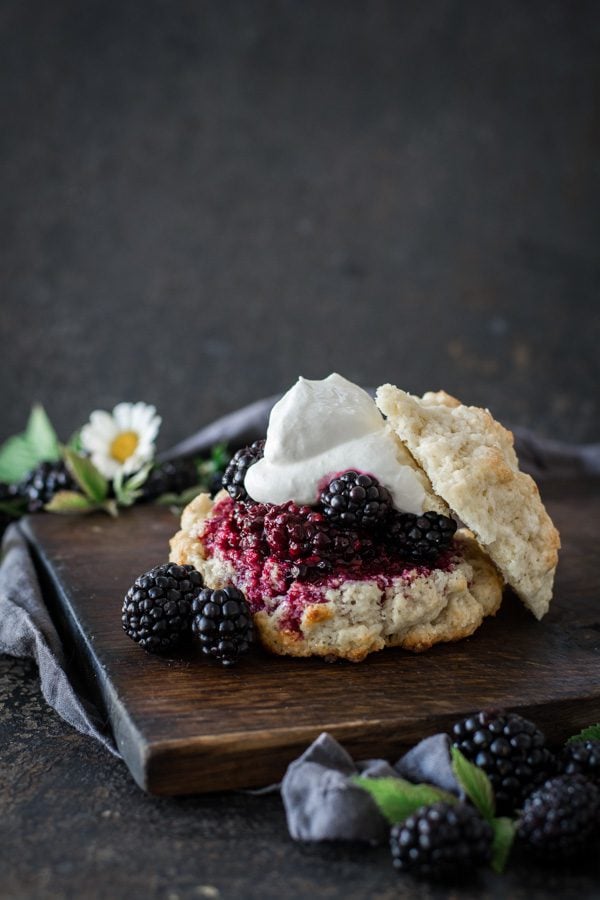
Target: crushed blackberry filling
{"x":294,"y":551}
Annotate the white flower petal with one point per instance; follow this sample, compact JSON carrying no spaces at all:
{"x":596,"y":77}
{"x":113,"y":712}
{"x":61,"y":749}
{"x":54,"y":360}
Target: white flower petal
{"x":105,"y":464}
{"x":142,"y":416}
{"x":122,"y":414}
{"x":92,"y":441}
{"x":102,"y":423}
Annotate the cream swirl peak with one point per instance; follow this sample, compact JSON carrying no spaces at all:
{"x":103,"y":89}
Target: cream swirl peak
{"x":321,"y":428}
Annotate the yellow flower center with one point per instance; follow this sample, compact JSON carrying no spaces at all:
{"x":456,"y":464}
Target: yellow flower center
{"x":124,"y":445}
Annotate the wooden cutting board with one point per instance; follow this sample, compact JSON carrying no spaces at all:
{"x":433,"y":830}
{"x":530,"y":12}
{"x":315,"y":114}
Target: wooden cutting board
{"x":186,"y":725}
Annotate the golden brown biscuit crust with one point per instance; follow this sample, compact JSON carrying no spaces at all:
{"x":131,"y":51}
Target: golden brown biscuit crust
{"x":356,"y":618}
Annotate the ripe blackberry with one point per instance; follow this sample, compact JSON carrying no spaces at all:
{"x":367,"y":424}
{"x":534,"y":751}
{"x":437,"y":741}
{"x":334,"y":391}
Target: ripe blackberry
{"x":442,"y":841}
{"x":355,"y":500}
{"x":302,"y":535}
{"x":157,"y":608}
{"x":43,"y":482}
{"x":223,"y":623}
{"x":581,"y":758}
{"x":296,"y":532}
{"x":235,"y":473}
{"x":421,"y":538}
{"x":11,"y":497}
{"x":173,"y":477}
{"x":559,"y":819}
{"x":510,"y":749}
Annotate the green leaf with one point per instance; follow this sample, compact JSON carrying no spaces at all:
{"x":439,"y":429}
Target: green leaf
{"x":591,"y":733}
{"x":17,"y":458}
{"x":397,"y":798}
{"x":127,"y":491}
{"x":92,"y":483}
{"x":74,"y":442}
{"x":70,"y":502}
{"x":180,"y":499}
{"x":110,"y":506}
{"x":41,"y":435}
{"x":475,"y":783}
{"x":21,"y":453}
{"x":504,"y":835}
{"x":219,"y":456}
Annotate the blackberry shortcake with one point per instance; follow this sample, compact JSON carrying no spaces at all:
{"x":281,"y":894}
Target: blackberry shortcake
{"x":341,"y":528}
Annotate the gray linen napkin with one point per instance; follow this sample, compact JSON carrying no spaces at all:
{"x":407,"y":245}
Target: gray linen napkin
{"x":322,"y":803}
{"x":26,"y":630}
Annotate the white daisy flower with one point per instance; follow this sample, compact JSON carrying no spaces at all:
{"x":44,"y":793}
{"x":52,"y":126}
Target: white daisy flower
{"x":122,"y":442}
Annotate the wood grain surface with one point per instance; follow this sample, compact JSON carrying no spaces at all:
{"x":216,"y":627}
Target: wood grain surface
{"x":185,"y":725}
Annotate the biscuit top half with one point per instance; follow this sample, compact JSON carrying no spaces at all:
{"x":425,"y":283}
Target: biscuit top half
{"x":471,"y":463}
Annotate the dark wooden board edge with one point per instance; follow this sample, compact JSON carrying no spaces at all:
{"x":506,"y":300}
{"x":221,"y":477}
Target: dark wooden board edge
{"x":209,"y":766}
{"x":88,"y":675}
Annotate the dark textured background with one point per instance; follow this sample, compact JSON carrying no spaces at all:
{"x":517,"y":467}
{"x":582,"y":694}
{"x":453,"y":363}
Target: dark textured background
{"x":199,"y":202}
{"x":203,"y":200}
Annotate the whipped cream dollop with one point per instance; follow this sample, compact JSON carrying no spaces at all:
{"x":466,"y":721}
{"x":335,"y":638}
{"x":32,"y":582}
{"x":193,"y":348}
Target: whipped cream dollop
{"x":321,"y":428}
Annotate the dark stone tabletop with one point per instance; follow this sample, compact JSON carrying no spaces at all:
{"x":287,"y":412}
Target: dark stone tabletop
{"x":201,"y":201}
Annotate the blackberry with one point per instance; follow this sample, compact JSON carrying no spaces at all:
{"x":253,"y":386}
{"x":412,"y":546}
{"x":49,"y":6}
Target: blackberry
{"x":302,"y":535}
{"x":559,"y":819}
{"x":9,"y":492}
{"x":354,"y":500}
{"x":296,"y":532}
{"x":581,"y":758}
{"x":157,"y":609}
{"x":442,"y":841}
{"x":43,"y":482}
{"x":510,"y":749}
{"x":249,"y":521}
{"x":173,"y":477}
{"x":422,"y":538}
{"x":223,"y":623}
{"x":235,"y":473}
{"x":11,"y":497}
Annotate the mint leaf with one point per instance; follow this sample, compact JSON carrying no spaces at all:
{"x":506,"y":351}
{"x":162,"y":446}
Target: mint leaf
{"x":41,"y":435}
{"x":74,"y":442}
{"x":397,"y":798}
{"x":504,"y":835}
{"x":591,"y":733}
{"x":22,"y":452}
{"x":17,"y":458}
{"x":92,"y":483}
{"x":475,"y":783}
{"x":180,"y":499}
{"x":69,"y":502}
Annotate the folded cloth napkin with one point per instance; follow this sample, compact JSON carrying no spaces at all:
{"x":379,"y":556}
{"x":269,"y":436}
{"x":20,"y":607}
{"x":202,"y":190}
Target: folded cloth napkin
{"x":26,"y":629}
{"x":323,"y":804}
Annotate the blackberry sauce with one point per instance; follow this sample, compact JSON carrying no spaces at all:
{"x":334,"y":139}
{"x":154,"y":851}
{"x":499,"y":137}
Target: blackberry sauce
{"x":291,"y":554}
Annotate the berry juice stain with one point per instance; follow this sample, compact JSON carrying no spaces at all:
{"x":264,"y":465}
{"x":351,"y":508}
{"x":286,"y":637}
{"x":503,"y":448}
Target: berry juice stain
{"x":291,"y":554}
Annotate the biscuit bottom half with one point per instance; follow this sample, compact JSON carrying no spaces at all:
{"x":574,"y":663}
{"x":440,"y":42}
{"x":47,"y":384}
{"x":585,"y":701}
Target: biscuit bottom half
{"x":345,"y":618}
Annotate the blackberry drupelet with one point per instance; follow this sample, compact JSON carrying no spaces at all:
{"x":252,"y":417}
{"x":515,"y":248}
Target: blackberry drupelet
{"x":173,"y":477}
{"x":296,"y":532}
{"x":581,"y":758}
{"x":235,"y":473}
{"x":157,"y":609}
{"x":302,"y":535}
{"x":43,"y":482}
{"x":442,"y":841}
{"x":223,"y":623}
{"x":422,"y":538}
{"x":355,"y":500}
{"x":559,"y":819}
{"x":510,"y":749}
